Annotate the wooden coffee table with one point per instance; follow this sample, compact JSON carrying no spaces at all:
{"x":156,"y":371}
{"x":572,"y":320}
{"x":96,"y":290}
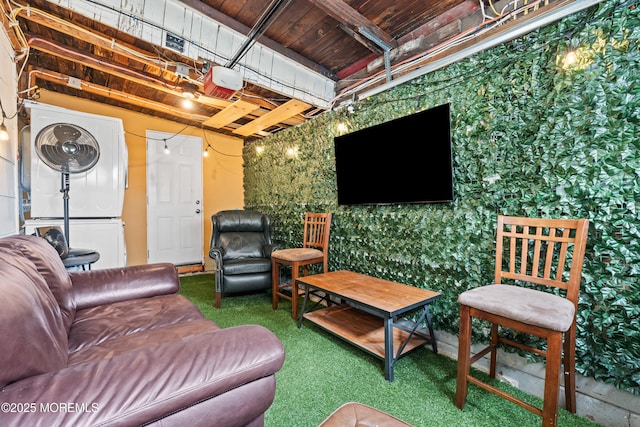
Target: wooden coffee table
{"x":370,"y":313}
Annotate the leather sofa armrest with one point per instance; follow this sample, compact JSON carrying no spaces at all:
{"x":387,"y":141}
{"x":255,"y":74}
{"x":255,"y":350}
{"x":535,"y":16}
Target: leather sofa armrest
{"x":148,"y":384}
{"x":98,"y":287}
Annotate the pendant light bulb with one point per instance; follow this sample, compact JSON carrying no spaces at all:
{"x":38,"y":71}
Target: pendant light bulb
{"x":4,"y":133}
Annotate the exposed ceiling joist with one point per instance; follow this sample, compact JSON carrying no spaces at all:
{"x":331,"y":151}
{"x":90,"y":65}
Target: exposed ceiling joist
{"x":107,"y":92}
{"x":314,"y":55}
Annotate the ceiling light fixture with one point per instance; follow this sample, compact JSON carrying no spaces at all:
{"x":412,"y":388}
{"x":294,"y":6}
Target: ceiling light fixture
{"x":4,"y":133}
{"x":189,"y":90}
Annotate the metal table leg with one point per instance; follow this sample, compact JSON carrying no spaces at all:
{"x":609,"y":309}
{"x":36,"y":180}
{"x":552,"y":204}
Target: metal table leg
{"x":304,"y":305}
{"x":389,"y":358}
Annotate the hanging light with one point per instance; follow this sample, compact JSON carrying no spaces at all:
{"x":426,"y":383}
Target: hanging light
{"x":4,"y":133}
{"x":189,"y":90}
{"x":166,"y":148}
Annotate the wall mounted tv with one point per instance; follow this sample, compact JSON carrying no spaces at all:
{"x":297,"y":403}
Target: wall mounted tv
{"x":406,"y":160}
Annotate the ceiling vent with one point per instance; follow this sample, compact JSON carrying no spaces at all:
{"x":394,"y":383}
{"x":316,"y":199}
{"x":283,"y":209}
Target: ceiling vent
{"x":222,"y":82}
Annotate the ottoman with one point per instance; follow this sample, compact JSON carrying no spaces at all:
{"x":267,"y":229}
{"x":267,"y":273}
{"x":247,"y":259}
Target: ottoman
{"x":354,"y":414}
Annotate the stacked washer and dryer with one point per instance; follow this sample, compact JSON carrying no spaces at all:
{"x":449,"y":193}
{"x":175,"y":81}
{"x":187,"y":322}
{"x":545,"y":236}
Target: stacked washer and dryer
{"x":95,"y":197}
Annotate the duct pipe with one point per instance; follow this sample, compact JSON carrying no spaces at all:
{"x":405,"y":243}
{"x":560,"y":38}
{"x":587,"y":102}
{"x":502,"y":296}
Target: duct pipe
{"x":258,"y":29}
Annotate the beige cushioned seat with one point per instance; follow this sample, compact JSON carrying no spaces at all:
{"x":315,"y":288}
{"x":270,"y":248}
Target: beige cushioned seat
{"x":522,"y":304}
{"x":297,"y":254}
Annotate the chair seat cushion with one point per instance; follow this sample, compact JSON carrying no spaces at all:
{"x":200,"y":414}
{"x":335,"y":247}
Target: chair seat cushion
{"x":523,"y":305}
{"x":246,"y":266}
{"x":297,"y":254}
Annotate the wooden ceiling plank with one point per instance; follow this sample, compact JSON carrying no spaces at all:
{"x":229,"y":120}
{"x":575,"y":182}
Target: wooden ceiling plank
{"x":283,"y":112}
{"x":227,"y":21}
{"x":230,"y":114}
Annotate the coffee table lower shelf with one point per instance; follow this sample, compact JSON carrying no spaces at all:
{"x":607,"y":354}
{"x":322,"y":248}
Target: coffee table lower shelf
{"x":363,"y":330}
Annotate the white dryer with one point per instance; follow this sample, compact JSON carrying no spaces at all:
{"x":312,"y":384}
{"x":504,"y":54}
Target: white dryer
{"x":96,"y":197}
{"x":98,"y":193}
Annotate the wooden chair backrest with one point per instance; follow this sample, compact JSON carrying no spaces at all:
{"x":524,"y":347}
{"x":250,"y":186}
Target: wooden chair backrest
{"x":543,"y":251}
{"x":317,"y":227}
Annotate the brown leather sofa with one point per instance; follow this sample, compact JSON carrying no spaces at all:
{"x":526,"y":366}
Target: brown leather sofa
{"x":119,"y":347}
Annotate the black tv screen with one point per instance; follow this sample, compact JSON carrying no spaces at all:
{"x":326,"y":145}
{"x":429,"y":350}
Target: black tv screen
{"x":406,"y":160}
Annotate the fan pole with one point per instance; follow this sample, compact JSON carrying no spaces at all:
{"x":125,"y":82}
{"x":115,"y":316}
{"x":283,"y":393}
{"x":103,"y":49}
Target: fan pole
{"x":65,"y":197}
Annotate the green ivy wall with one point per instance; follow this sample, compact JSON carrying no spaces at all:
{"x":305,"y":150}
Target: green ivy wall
{"x":531,"y":137}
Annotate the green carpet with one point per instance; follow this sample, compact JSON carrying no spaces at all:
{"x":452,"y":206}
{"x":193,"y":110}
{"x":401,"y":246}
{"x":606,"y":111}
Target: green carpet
{"x":321,"y":372}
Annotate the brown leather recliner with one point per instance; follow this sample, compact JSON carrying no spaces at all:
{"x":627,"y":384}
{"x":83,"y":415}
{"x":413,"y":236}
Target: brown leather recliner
{"x":121,"y":347}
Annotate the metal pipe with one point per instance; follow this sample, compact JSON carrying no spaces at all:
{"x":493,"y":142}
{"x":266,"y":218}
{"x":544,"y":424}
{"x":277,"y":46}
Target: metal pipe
{"x":257,"y":30}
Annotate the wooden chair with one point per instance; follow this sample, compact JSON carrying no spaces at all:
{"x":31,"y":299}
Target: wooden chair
{"x":530,"y":253}
{"x":314,"y":250}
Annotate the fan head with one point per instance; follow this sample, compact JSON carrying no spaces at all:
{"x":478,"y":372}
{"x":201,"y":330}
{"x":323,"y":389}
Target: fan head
{"x":67,"y":148}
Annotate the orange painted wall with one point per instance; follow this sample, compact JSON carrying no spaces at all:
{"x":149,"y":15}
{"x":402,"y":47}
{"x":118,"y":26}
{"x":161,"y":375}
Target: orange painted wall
{"x":222,"y":170}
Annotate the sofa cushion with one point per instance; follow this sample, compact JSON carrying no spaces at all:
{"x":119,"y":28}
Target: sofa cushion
{"x":247,"y":266}
{"x":141,"y":340}
{"x":34,"y":339}
{"x":148,"y":384}
{"x":242,"y":245}
{"x":102,"y":323}
{"x":50,"y":267}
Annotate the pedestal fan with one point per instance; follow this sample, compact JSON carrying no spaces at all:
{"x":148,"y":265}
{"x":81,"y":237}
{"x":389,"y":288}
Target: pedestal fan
{"x":68,"y":149}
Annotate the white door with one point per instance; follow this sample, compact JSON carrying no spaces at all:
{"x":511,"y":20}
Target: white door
{"x":174,"y":198}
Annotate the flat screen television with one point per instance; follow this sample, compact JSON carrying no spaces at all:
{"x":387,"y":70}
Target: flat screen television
{"x":406,"y":160}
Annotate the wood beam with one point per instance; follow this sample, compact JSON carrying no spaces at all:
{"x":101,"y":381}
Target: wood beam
{"x":462,"y":11}
{"x":45,"y":19}
{"x":63,"y":79}
{"x":144,"y":58}
{"x":406,"y":43}
{"x":283,"y":112}
{"x":351,"y":18}
{"x":51,"y":48}
{"x":230,"y":114}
